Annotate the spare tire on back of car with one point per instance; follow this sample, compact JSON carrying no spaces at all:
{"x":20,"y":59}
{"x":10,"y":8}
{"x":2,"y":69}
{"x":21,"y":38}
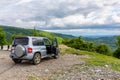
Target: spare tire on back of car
{"x":19,"y":51}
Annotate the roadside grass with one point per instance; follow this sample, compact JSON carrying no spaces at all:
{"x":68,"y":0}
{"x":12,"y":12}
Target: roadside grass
{"x":95,"y":59}
{"x":40,"y":78}
{"x":70,"y":51}
{"x":33,"y":78}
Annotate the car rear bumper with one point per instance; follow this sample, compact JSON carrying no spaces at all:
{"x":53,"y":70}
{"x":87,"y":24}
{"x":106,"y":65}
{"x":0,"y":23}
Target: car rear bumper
{"x":25,"y":57}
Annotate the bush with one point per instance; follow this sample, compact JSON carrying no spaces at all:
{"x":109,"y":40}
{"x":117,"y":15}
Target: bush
{"x":117,"y":53}
{"x":79,"y":43}
{"x":103,"y":49}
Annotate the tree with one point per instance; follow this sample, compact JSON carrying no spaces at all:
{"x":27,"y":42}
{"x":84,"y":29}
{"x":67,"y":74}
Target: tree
{"x":16,"y":35}
{"x":118,"y":41}
{"x":117,"y":51}
{"x":91,"y":46}
{"x":79,"y":43}
{"x":2,"y":37}
{"x":103,"y":49}
{"x":35,"y":33}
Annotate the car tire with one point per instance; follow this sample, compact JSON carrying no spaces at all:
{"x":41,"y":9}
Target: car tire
{"x":17,"y":60}
{"x":36,"y":58}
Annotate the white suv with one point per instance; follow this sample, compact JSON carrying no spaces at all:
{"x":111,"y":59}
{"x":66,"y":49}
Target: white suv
{"x":33,"y":48}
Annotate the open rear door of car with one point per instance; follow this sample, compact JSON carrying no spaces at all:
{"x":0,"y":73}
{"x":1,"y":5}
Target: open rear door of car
{"x":54,"y":42}
{"x":55,"y":48}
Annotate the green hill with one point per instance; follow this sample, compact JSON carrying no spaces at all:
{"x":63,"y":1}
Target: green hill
{"x":9,"y":30}
{"x":109,"y":40}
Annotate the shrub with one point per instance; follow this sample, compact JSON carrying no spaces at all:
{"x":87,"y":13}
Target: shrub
{"x":103,"y":49}
{"x":117,"y":53}
{"x":79,"y":43}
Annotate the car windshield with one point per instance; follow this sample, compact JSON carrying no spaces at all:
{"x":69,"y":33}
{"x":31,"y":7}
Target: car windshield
{"x":21,"y":41}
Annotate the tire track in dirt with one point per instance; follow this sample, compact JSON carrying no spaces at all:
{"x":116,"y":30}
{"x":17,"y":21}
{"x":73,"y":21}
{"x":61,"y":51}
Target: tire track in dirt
{"x":5,"y":62}
{"x":4,"y":71}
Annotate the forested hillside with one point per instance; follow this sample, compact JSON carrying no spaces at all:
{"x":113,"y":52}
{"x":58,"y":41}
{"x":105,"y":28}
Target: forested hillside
{"x":80,"y":44}
{"x":109,"y":40}
{"x":9,"y":30}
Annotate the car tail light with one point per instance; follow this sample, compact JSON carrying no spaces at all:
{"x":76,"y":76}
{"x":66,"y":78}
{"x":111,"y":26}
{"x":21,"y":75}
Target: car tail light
{"x":29,"y":50}
{"x":11,"y":49}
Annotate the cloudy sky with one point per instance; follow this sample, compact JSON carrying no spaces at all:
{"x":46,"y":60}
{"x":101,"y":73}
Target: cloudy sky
{"x":76,"y":17}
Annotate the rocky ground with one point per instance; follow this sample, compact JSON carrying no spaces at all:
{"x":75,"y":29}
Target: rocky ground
{"x":67,"y":67}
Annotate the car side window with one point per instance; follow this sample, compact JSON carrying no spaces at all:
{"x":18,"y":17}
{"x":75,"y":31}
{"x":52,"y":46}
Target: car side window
{"x":37,"y":42}
{"x":46,"y":42}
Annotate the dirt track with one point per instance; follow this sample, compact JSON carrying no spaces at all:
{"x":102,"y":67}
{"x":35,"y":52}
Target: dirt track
{"x":11,"y":71}
{"x":67,"y":67}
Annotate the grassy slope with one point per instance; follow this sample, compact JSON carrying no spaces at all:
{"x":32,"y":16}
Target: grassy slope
{"x":29,"y":32}
{"x":95,"y":59}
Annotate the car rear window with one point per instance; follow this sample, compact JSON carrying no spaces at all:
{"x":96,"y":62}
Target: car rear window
{"x":21,"y":41}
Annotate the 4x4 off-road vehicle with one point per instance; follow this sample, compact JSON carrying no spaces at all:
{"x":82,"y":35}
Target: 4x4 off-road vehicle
{"x":33,"y":49}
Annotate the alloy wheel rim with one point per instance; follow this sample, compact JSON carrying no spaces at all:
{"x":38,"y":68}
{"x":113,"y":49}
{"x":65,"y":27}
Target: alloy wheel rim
{"x":37,"y":58}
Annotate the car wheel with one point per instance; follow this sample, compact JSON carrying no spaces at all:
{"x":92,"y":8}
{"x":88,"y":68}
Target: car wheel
{"x":17,"y":60}
{"x":36,"y":58}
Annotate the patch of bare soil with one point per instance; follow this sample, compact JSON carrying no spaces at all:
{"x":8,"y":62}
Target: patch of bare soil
{"x":63,"y":47}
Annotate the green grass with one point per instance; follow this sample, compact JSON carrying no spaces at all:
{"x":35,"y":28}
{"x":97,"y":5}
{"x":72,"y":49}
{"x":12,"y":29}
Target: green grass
{"x":33,"y":78}
{"x":96,"y":59}
{"x":70,"y":51}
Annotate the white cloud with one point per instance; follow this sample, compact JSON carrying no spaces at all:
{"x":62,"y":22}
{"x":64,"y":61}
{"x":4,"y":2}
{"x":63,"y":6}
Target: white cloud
{"x":62,"y":14}
{"x":56,"y":22}
{"x":29,"y":24}
{"x":116,"y":18}
{"x":78,"y":20}
{"x":23,"y":2}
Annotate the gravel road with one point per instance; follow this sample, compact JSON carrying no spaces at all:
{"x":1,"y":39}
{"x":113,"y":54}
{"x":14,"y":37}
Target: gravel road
{"x":67,"y":67}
